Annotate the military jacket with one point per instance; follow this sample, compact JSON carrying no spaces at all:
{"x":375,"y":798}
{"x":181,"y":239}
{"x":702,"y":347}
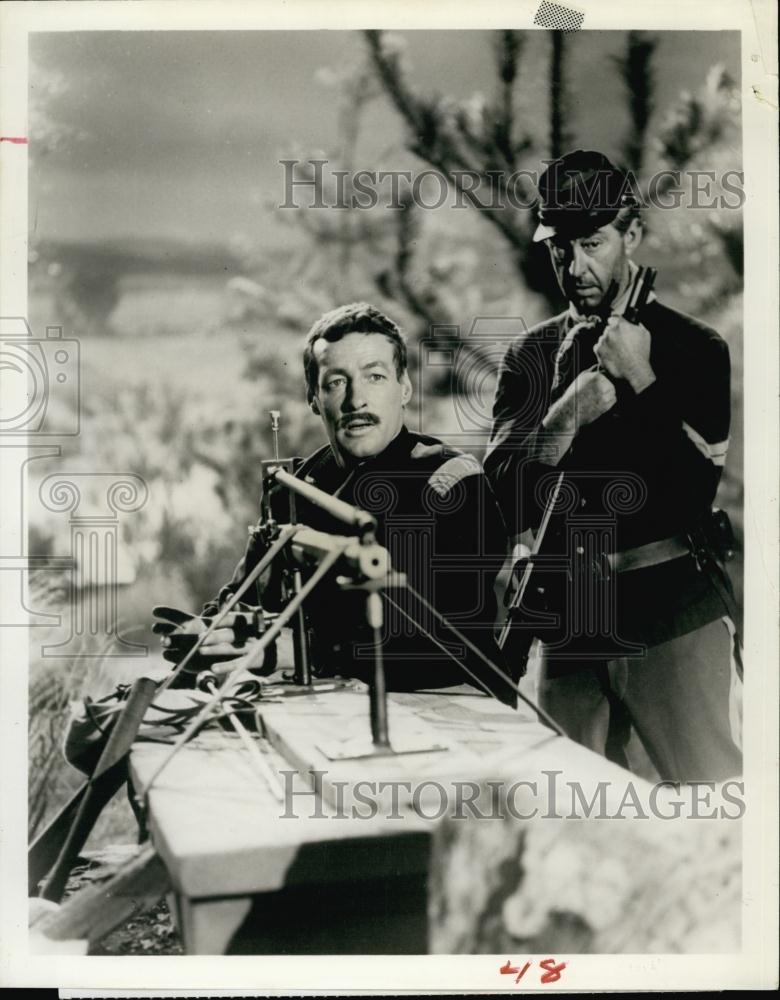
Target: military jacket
{"x":438,"y":518}
{"x":645,"y":471}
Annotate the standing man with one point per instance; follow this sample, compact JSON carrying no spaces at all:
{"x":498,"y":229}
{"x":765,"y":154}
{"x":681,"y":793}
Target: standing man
{"x":435,"y":512}
{"x":636,"y":417}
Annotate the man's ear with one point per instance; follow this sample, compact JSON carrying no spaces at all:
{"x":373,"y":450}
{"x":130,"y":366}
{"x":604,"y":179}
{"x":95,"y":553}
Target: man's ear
{"x":314,"y":405}
{"x":632,"y":237}
{"x":406,"y":388}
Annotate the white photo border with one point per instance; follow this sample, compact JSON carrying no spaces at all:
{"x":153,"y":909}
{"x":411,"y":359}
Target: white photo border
{"x":756,"y":965}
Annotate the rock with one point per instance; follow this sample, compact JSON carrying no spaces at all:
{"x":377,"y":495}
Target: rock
{"x":615,"y":886}
{"x":40,"y":944}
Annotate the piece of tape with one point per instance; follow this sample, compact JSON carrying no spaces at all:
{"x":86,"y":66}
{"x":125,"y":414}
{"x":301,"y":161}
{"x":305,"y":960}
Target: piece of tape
{"x":558,"y":17}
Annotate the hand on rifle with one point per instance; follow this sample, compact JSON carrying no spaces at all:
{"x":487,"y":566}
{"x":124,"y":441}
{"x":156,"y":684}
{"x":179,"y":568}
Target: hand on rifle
{"x":241,"y":663}
{"x":589,"y":396}
{"x":623,"y":351}
{"x":232,"y":638}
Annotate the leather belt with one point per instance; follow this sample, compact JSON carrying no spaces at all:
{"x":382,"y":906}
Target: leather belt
{"x":649,"y":555}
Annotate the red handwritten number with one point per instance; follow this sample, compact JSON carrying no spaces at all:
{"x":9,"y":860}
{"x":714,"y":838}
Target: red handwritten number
{"x":553,"y":973}
{"x":509,"y":969}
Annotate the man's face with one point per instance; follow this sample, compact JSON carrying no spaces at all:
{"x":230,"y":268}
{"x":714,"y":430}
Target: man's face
{"x":359,"y":395}
{"x":590,"y":269}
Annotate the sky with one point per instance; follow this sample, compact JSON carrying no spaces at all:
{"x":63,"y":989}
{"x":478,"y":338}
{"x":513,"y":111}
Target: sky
{"x":178,"y":135}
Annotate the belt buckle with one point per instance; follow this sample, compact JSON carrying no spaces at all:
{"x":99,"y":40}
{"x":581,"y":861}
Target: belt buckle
{"x":694,"y":549}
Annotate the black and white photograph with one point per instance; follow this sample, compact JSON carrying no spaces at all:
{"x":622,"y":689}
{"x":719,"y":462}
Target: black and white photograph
{"x":390,"y":478}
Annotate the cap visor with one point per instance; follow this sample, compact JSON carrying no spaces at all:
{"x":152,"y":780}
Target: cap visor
{"x":543,"y":233}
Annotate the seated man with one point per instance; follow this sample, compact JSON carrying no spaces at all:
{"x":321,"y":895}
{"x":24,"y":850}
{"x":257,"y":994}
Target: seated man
{"x":435,"y":511}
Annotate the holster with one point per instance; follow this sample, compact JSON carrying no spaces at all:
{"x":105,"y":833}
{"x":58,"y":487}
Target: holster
{"x":713,"y":544}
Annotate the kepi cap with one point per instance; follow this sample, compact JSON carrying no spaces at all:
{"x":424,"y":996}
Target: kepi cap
{"x":580,"y":192}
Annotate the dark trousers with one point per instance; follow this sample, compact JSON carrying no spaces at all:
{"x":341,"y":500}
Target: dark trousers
{"x":682,"y":699}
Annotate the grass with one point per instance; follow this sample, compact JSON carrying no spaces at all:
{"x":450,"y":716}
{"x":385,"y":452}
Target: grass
{"x":55,"y":686}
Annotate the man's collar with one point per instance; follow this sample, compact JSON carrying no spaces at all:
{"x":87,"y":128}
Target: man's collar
{"x":401,"y":445}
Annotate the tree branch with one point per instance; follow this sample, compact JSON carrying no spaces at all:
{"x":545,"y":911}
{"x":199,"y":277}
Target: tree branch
{"x":636,"y":68}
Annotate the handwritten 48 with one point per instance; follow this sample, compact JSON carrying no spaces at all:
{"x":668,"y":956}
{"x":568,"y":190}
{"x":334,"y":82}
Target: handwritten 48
{"x":551,"y":974}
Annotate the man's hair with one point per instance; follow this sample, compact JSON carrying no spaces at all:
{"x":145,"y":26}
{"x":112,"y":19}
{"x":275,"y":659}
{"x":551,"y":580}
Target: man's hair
{"x":358,"y":317}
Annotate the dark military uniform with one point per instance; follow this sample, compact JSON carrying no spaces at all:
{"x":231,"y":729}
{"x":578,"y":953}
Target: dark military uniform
{"x":637,"y":629}
{"x":641,"y":634}
{"x":439,"y":520}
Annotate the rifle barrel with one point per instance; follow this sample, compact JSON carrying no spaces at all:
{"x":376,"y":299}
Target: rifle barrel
{"x":342,"y":511}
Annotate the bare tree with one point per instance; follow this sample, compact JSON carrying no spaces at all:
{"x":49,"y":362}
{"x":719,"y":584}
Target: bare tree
{"x":636,"y":69}
{"x":559,"y":137}
{"x":467,"y":143}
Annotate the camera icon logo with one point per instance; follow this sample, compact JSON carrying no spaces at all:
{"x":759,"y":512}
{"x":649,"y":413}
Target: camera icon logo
{"x":42,"y":391}
{"x":465,"y":371}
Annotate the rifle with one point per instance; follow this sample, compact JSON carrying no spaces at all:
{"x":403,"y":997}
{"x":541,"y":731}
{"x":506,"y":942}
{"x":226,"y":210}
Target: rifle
{"x":522,"y":633}
{"x":109,"y":775}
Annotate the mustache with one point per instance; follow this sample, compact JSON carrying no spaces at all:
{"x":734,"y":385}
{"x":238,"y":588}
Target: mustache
{"x":362,"y":418}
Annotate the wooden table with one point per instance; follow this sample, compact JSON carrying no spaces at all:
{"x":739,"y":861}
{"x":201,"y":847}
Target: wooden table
{"x":257,"y":875}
